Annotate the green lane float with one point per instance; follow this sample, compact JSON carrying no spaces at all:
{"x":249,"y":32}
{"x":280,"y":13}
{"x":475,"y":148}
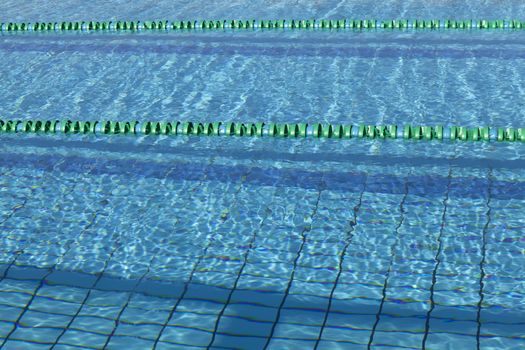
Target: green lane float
{"x":259,"y":129}
{"x":250,"y":24}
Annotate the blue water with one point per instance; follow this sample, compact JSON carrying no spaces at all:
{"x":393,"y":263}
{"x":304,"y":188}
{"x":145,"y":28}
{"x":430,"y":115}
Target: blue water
{"x":102,"y":10}
{"x":443,"y":77}
{"x":228,"y":243}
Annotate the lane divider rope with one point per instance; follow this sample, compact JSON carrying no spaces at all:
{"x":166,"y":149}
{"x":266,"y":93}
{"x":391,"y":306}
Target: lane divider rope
{"x":283,"y":130}
{"x":85,"y":26}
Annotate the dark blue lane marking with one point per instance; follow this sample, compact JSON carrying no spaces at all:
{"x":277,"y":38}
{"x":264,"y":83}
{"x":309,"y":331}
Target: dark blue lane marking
{"x":316,"y":38}
{"x":266,"y":298}
{"x":216,"y":148}
{"x":425,"y":185}
{"x":408,"y":52}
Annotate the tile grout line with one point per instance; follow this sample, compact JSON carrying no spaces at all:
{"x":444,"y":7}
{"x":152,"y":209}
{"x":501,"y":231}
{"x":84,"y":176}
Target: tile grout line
{"x":349,"y":314}
{"x":10,"y":215}
{"x":437,"y":259}
{"x":245,"y":262}
{"x":298,"y":279}
{"x":195,"y":266}
{"x":387,"y":276}
{"x":122,"y":309}
{"x":349,"y":237}
{"x":132,"y":291}
{"x":117,"y":320}
{"x":118,"y":243}
{"x":483,"y":258}
{"x":51,"y":269}
{"x":294,"y":267}
{"x":26,"y":198}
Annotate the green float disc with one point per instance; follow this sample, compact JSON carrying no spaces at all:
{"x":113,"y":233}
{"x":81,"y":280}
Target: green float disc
{"x":327,"y":131}
{"x":406,"y":132}
{"x":439,"y":132}
{"x":302,"y":129}
{"x":361,"y":131}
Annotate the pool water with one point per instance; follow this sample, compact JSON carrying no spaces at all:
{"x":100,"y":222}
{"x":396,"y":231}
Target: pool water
{"x":232,"y":243}
{"x":386,"y":77}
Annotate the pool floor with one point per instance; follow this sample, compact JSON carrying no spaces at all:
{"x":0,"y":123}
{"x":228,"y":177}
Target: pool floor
{"x":109,"y":252}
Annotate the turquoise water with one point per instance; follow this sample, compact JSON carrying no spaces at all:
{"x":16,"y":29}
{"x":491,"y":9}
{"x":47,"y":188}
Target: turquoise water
{"x":227,"y":243}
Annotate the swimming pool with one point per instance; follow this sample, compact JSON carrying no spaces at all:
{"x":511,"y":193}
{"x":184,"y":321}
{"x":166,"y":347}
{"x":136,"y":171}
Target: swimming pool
{"x":252,"y":243}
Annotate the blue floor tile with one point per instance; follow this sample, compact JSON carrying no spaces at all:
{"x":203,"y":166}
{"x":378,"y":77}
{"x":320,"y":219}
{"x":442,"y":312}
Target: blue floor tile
{"x":23,"y":345}
{"x":5,"y":328}
{"x":290,"y":344}
{"x":242,"y":327}
{"x":203,"y":292}
{"x":39,"y":335}
{"x":161,"y":289}
{"x":306,"y":317}
{"x":400,"y":339}
{"x":453,"y":341}
{"x":193,"y":320}
{"x":271,"y":299}
{"x":71,"y":278}
{"x":107,"y":298}
{"x":354,"y":336}
{"x":74,"y":337}
{"x":401,"y":324}
{"x":200,"y":306}
{"x":26,"y":273}
{"x":251,"y":312}
{"x":237,"y":342}
{"x":54,"y":306}
{"x":129,"y":343}
{"x":15,"y":299}
{"x":333,"y":345}
{"x":41,"y":319}
{"x":144,"y":331}
{"x":170,"y":346}
{"x":187,"y":336}
{"x":10,"y":285}
{"x":116,"y":284}
{"x":497,"y":343}
{"x":93,"y":324}
{"x":9,"y":313}
{"x":296,"y":331}
{"x":109,"y":312}
{"x":63,"y":293}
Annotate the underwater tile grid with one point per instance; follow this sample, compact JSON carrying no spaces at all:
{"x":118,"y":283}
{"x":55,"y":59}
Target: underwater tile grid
{"x":95,"y":256}
{"x":216,"y":243}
